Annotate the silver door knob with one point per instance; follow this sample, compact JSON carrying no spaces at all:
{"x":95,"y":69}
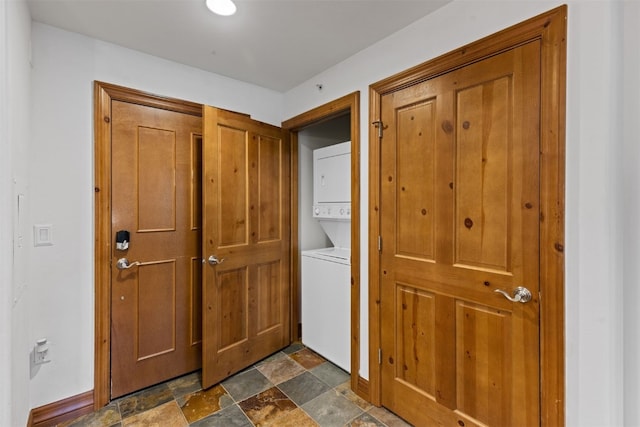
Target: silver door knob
{"x":123,"y":264}
{"x":215,"y":261}
{"x":520,"y":294}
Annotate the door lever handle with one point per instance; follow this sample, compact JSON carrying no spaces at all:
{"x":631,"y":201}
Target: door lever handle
{"x":213,"y":260}
{"x":520,"y":294}
{"x":123,"y":264}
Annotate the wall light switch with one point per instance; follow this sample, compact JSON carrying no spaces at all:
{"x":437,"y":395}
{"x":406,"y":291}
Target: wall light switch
{"x":43,"y":235}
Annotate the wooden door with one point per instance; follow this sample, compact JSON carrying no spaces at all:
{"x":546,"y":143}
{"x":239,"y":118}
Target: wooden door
{"x":156,"y":305}
{"x":460,"y":220}
{"x":246,"y":219}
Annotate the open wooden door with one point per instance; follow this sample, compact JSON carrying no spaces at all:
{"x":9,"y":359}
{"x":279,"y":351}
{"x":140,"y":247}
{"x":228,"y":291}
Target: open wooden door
{"x":246,"y":242}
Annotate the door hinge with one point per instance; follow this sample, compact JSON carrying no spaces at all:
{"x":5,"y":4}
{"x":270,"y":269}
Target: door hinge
{"x":378,"y":124}
{"x":379,"y":243}
{"x":379,"y":356}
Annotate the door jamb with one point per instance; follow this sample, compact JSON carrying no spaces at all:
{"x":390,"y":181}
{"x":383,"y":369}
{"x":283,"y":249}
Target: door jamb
{"x":103,"y":95}
{"x":550,"y":30}
{"x":348,"y":103}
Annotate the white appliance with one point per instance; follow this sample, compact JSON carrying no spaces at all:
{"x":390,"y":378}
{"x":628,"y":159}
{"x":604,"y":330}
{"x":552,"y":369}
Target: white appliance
{"x":326,"y":272}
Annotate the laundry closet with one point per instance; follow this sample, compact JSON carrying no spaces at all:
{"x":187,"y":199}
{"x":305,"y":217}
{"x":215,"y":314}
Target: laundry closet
{"x":325,"y":238}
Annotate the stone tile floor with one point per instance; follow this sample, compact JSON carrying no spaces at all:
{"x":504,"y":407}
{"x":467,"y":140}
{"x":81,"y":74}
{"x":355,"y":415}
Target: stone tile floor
{"x":294,"y":387}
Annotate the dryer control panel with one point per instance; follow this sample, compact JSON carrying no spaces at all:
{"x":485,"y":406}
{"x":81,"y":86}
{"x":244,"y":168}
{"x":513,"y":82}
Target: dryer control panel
{"x":332,"y":210}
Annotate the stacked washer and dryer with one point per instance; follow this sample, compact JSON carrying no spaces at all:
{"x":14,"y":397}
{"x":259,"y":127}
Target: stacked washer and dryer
{"x":326,"y":272}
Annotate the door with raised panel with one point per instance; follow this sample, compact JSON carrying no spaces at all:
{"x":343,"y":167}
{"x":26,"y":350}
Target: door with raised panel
{"x":156,"y":294}
{"x":459,"y":182}
{"x":246,"y":242}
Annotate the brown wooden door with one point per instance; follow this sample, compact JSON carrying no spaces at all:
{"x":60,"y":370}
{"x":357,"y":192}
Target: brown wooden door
{"x":246,"y":217}
{"x":459,"y":220}
{"x":156,"y":305}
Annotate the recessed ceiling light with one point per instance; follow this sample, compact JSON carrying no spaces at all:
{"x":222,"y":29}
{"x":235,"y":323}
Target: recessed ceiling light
{"x":222,"y":7}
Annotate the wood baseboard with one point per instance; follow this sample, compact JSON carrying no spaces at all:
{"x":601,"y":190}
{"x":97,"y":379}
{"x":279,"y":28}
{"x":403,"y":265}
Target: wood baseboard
{"x":363,"y":389}
{"x":62,"y":410}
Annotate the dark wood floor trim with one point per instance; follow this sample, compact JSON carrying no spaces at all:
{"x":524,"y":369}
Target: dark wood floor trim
{"x":363,"y":389}
{"x":62,"y":410}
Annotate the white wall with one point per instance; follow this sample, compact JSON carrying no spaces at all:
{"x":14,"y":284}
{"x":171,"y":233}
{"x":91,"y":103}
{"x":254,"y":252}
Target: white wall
{"x":5,"y":227}
{"x":6,"y":219}
{"x":15,"y":24}
{"x":594,"y":194}
{"x":631,"y":207}
{"x":61,"y":182}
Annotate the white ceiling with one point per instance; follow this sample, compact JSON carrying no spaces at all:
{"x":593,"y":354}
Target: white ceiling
{"x":276,"y":44}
